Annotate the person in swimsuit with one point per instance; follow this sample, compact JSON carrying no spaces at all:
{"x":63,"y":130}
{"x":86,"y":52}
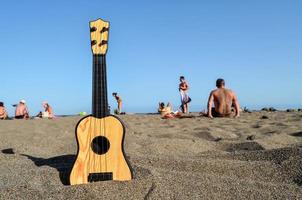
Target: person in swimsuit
{"x":119,"y":102}
{"x":184,"y":97}
{"x":21,"y":111}
{"x":48,"y":111}
{"x":3,"y":113}
{"x":167,"y":111}
{"x":223,"y":99}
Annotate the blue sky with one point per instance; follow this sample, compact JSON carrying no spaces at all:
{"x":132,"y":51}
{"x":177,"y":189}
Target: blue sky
{"x":255,"y":45}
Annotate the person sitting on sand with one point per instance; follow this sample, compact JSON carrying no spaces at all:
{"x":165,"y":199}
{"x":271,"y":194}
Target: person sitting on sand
{"x":119,"y":102}
{"x":21,"y":110}
{"x":3,"y":113}
{"x":48,"y":113}
{"x":167,"y":111}
{"x":223,"y":99}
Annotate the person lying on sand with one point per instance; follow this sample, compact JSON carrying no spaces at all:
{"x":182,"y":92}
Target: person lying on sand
{"x":223,"y":99}
{"x":3,"y":113}
{"x":166,"y":111}
{"x":21,"y":110}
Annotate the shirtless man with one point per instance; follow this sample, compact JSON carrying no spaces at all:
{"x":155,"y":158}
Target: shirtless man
{"x":223,"y":100}
{"x":183,"y":89}
{"x":21,"y":111}
{"x":3,"y":113}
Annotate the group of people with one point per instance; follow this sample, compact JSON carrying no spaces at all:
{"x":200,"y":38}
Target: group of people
{"x":22,"y":112}
{"x":222,"y":102}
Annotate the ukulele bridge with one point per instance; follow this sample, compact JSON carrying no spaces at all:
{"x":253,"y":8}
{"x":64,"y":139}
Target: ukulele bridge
{"x":95,"y":177}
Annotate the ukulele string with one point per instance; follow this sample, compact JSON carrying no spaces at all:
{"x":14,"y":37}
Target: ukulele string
{"x":90,"y":121}
{"x":101,"y":110}
{"x":98,"y":163}
{"x":95,"y":104}
{"x":95,"y":108}
{"x":106,"y":107}
{"x":103,"y":105}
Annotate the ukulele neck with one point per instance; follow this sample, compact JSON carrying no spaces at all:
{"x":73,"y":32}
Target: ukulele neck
{"x":100,"y":107}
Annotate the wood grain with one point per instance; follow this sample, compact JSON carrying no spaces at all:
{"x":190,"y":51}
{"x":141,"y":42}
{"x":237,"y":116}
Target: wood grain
{"x":89,"y":162}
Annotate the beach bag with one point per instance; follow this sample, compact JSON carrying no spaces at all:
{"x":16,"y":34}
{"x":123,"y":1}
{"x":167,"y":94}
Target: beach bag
{"x":45,"y":114}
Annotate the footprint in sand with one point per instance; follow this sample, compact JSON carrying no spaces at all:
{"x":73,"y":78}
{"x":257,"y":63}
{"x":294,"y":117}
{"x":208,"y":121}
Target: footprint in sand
{"x":256,"y":126}
{"x":245,"y":146}
{"x":207,"y":136}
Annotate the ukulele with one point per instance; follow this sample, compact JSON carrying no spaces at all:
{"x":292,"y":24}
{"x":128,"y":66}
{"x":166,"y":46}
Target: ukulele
{"x":100,"y":136}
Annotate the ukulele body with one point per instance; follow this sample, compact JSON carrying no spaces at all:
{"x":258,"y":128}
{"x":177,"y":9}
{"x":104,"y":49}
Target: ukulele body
{"x":100,"y":155}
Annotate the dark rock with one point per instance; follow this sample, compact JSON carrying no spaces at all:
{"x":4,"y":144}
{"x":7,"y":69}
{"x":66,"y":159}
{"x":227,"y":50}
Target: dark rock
{"x":290,"y":110}
{"x":271,"y":109}
{"x":8,"y":151}
{"x":297,"y":134}
{"x":217,"y":139}
{"x":245,"y":109}
{"x":300,"y":110}
{"x":264,"y":117}
{"x":251,"y":137}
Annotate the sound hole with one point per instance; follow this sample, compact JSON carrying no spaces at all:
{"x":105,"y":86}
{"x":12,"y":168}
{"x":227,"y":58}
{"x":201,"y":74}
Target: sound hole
{"x":100,"y":145}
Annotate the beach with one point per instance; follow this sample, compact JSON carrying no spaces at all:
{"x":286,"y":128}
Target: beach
{"x":257,"y":156}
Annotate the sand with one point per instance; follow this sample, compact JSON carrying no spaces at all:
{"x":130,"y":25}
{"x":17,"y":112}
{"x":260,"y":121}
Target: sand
{"x":198,"y":158}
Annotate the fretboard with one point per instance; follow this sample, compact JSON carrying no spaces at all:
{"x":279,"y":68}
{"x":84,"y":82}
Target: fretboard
{"x":99,"y":87}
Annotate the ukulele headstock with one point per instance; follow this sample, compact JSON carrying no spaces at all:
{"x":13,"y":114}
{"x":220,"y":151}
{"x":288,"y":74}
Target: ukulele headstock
{"x":99,"y":32}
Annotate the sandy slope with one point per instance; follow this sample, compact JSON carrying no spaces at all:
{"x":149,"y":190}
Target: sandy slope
{"x":172,"y":159}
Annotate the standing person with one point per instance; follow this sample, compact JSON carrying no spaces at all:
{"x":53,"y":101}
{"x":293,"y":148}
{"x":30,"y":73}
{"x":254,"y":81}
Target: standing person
{"x":48,"y":113}
{"x":119,"y":102}
{"x":3,"y":113}
{"x":21,"y":110}
{"x":184,"y":96}
{"x":223,"y":99}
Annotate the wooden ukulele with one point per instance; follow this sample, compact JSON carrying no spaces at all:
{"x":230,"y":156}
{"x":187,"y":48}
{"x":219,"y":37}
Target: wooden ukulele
{"x":100,"y":136}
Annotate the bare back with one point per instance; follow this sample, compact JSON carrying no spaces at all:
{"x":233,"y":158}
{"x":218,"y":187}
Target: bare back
{"x":223,"y":100}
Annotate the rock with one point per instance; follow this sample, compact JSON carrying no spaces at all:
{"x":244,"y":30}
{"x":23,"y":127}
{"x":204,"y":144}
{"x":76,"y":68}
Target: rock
{"x":300,"y":110}
{"x":251,"y":137}
{"x":272,"y":109}
{"x":245,"y":109}
{"x":217,"y":139}
{"x":290,"y":110}
{"x":264,"y":117}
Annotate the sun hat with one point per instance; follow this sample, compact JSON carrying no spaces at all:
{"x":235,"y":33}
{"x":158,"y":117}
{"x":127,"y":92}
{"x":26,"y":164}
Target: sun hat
{"x":23,"y":101}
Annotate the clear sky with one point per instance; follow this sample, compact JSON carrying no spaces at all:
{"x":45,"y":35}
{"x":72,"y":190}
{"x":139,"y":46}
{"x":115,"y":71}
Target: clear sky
{"x":255,"y":45}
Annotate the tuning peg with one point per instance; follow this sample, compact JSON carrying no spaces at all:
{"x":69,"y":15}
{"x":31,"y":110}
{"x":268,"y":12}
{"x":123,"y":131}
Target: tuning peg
{"x":104,"y":29}
{"x":92,"y":29}
{"x":93,"y":42}
{"x":103,"y":42}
